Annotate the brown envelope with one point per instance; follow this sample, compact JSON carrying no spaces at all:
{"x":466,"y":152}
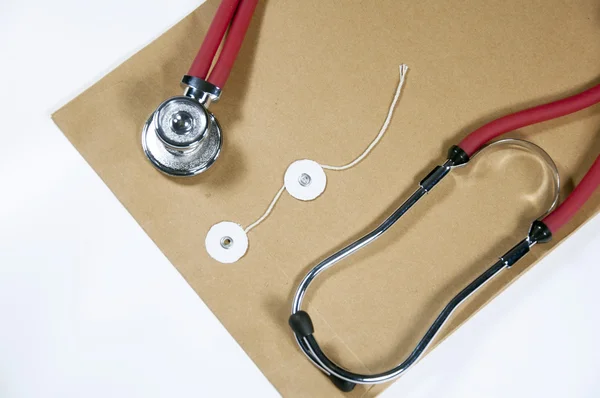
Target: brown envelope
{"x":314,"y":80}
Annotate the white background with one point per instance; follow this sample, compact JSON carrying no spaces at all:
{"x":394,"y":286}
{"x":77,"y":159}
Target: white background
{"x":89,"y":307}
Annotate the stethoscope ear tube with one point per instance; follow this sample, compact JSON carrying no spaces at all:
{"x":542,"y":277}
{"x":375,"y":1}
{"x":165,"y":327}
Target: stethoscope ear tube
{"x":302,"y":326}
{"x":540,"y":231}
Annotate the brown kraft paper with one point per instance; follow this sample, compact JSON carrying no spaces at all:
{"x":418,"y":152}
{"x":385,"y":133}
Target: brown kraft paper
{"x":314,"y":80}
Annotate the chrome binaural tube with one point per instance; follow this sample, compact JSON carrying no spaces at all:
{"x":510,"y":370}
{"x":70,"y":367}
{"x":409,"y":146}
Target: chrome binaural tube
{"x":301,"y":323}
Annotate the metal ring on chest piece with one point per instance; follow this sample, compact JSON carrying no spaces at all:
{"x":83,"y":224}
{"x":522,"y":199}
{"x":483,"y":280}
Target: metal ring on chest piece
{"x":182,"y":138}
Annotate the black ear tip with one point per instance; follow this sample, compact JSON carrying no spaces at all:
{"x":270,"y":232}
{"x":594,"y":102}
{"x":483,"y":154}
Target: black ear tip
{"x":301,"y":324}
{"x":343,"y":385}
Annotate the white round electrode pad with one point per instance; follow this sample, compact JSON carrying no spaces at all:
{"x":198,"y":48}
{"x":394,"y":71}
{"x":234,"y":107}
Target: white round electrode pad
{"x":305,"y":179}
{"x":226,"y":242}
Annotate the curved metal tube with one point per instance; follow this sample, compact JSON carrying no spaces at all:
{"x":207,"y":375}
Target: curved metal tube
{"x":311,"y":348}
{"x":536,"y":149}
{"x":308,"y":344}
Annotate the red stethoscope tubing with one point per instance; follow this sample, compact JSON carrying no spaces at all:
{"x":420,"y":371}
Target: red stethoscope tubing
{"x":582,"y":192}
{"x":475,"y":140}
{"x":235,"y":15}
{"x":233,"y":42}
{"x":203,"y":61}
{"x":567,"y":209}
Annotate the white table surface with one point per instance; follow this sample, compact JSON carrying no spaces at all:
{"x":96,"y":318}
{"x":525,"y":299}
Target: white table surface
{"x":89,"y":307}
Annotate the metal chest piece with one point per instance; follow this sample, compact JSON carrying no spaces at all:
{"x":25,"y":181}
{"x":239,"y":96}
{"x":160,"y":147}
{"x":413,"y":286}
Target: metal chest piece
{"x":182,"y":138}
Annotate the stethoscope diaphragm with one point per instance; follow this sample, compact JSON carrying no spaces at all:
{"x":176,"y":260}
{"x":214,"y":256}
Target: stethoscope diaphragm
{"x":182,"y":138}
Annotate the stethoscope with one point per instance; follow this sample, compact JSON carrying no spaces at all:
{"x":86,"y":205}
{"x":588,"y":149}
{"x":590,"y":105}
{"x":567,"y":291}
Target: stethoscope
{"x":182,"y":137}
{"x":541,"y":231}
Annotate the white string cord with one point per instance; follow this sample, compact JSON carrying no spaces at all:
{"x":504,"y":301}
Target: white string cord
{"x":269,"y":210}
{"x":403,"y":69}
{"x":386,"y":124}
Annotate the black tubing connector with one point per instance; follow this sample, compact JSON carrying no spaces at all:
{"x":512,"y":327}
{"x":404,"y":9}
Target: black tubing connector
{"x":344,"y":385}
{"x":457,"y":155}
{"x":192,"y":81}
{"x":516,"y":253}
{"x":301,"y":324}
{"x":539,"y":232}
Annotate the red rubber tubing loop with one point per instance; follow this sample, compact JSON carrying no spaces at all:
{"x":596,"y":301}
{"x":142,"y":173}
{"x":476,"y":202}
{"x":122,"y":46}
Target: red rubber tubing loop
{"x":541,"y":113}
{"x":233,"y":42}
{"x":576,"y":199}
{"x":212,"y":40}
